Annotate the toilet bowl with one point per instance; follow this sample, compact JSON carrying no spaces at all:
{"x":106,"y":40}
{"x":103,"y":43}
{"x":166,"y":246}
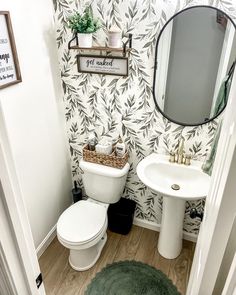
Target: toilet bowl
{"x":82,"y":227}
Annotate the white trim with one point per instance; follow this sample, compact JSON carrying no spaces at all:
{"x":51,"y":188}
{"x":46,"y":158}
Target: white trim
{"x":146,"y":224}
{"x":7,"y":285}
{"x":219,"y":209}
{"x":46,"y":241}
{"x":18,"y":216}
{"x":190,"y":237}
{"x":156,"y":227}
{"x":230,"y":284}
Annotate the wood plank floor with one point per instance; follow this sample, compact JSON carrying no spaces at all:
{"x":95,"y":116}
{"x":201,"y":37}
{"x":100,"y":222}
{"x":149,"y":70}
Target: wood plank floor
{"x":140,"y":244}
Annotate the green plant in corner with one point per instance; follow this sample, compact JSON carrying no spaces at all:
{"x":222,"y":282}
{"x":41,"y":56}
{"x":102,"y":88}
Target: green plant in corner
{"x":83,"y":23}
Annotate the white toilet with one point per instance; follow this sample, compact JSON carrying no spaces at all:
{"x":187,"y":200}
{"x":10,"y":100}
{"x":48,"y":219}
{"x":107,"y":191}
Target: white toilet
{"x":82,"y":227}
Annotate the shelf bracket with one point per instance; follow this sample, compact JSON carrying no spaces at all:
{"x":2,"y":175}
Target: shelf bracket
{"x":76,"y":40}
{"x":129,"y":41}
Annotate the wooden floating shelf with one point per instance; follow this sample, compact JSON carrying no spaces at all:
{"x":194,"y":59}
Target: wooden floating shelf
{"x":125,"y":49}
{"x":100,"y":48}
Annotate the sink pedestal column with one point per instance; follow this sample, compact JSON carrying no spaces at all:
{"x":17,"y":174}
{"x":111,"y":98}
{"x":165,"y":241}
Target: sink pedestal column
{"x":171,"y":233}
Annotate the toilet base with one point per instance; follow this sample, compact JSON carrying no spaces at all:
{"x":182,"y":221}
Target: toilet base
{"x":81,"y":260}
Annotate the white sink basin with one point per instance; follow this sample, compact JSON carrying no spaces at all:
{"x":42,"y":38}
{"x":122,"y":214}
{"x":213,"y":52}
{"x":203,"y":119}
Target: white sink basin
{"x":156,"y":172}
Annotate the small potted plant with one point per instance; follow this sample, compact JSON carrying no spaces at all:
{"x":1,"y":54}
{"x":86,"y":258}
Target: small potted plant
{"x":84,"y":25}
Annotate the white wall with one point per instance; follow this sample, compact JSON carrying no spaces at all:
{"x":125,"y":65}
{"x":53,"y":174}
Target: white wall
{"x":34,"y":122}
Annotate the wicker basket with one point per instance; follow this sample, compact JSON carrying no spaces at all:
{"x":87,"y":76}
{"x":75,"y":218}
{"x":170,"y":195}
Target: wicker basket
{"x":108,"y":160}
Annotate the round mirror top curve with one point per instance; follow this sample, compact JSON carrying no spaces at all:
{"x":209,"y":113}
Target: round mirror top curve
{"x":194,"y":65}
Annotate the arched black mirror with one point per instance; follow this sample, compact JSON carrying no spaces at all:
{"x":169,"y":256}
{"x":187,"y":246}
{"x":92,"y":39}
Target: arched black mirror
{"x":194,"y":64}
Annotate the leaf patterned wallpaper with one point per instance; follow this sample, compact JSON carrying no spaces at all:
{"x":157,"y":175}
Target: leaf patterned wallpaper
{"x":114,"y":106}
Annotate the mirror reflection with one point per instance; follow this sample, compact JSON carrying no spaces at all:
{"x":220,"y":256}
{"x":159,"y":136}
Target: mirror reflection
{"x":195,"y":59}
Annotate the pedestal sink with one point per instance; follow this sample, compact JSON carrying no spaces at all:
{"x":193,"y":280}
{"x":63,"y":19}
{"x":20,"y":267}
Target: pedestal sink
{"x":177,"y":183}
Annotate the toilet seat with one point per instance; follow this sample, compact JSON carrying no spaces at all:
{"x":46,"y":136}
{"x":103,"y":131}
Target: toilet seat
{"x":84,"y":245}
{"x":82,"y":223}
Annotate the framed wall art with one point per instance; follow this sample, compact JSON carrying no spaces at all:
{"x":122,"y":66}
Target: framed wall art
{"x":108,"y":65}
{"x":9,"y":64}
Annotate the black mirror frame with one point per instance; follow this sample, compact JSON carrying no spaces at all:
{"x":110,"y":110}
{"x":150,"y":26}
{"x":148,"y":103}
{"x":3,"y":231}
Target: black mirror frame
{"x":155,"y":64}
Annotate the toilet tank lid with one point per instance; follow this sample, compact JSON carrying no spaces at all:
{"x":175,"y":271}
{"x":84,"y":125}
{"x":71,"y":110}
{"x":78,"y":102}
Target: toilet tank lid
{"x":103,"y":170}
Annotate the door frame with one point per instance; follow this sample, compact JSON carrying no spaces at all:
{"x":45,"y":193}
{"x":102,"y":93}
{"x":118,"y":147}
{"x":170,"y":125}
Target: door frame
{"x":214,"y":204}
{"x":220,"y":207}
{"x":230,"y":284}
{"x":17,"y":213}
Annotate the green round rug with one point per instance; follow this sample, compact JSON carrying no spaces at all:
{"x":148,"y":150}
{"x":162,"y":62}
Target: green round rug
{"x":131,"y":278}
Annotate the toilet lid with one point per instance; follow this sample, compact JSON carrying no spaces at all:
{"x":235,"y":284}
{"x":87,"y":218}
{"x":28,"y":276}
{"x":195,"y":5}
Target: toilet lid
{"x":81,"y":222}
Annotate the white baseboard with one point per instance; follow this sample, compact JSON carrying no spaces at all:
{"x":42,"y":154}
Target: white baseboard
{"x":146,"y":224}
{"x":156,"y":227}
{"x":46,"y":241}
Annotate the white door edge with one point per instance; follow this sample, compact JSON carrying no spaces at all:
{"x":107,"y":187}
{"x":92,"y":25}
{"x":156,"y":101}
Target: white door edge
{"x":230,"y":284}
{"x":215,"y":211}
{"x":7,"y":284}
{"x":18,"y":216}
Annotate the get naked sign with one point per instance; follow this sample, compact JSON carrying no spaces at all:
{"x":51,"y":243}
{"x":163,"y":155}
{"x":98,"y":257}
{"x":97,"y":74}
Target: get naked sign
{"x":9,"y":66}
{"x":109,"y":65}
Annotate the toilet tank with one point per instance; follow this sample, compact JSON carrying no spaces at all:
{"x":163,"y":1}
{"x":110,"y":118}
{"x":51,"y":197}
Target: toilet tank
{"x":102,"y":183}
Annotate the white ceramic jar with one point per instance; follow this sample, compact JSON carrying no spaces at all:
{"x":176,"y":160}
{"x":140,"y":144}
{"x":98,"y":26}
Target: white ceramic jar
{"x":114,"y":37}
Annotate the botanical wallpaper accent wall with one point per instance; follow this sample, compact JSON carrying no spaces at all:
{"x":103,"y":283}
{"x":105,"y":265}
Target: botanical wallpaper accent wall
{"x":114,"y":106}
